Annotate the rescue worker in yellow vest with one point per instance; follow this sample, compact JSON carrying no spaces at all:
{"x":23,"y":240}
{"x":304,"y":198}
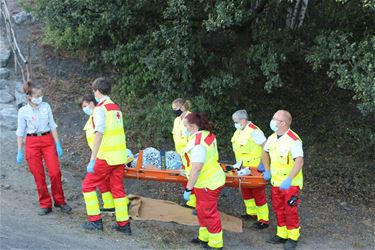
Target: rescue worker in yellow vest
{"x":107,"y":160}
{"x":283,"y":161}
{"x":206,"y":177}
{"x":88,"y":104}
{"x":247,"y":142}
{"x":181,"y":109}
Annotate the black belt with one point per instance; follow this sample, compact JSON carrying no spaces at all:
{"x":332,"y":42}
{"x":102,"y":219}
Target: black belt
{"x":39,"y":134}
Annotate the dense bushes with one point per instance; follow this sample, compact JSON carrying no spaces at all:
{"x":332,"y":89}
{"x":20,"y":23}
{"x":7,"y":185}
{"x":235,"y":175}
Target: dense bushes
{"x":225,"y":55}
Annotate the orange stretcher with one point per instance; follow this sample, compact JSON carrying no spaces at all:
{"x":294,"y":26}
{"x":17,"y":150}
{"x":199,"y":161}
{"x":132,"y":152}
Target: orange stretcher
{"x":255,"y":179}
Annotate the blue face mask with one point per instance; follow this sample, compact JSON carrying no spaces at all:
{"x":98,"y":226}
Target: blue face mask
{"x":237,"y":125}
{"x":186,"y":132}
{"x":273,"y":125}
{"x":87,"y":110}
{"x":97,"y":99}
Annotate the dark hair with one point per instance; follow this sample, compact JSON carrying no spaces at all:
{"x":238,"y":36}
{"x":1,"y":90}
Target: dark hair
{"x":201,"y":120}
{"x":28,"y":87}
{"x":103,"y":85}
{"x":89,"y":98}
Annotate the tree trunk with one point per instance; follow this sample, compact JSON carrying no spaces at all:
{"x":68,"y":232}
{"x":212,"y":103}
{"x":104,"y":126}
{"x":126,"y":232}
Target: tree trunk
{"x":302,"y":13}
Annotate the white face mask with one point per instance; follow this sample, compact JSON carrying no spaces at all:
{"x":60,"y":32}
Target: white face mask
{"x":273,"y":125}
{"x":37,"y":101}
{"x":237,"y":125}
{"x":186,"y":132}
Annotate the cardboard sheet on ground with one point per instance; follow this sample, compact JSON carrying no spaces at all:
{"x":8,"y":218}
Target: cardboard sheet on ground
{"x":142,"y":208}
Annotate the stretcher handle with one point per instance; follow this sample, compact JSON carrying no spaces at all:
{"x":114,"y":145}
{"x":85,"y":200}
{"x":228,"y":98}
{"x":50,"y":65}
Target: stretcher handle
{"x":138,"y":166}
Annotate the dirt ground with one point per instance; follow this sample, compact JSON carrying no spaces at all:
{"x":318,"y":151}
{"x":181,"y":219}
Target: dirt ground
{"x":327,"y":222}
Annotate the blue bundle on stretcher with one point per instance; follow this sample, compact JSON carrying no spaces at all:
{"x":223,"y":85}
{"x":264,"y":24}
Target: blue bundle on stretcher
{"x":169,"y":160}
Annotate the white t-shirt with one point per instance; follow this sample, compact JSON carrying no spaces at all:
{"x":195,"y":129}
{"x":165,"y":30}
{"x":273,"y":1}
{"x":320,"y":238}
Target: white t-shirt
{"x":258,"y":137}
{"x":198,"y":154}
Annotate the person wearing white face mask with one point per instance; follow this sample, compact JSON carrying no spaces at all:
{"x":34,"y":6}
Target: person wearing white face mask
{"x":247,"y":142}
{"x":88,"y":104}
{"x":36,"y":123}
{"x":283,"y":161}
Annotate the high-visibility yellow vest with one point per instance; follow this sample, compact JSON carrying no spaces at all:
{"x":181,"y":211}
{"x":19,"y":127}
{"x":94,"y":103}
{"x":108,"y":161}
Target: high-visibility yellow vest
{"x":211,"y":175}
{"x":281,"y":158}
{"x":245,"y":148}
{"x":89,"y":129}
{"x":180,"y":140}
{"x":113,"y":146}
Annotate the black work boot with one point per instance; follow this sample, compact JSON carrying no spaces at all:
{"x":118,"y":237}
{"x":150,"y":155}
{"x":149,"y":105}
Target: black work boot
{"x":249,"y":217}
{"x":65,"y":208}
{"x":276,"y":240}
{"x":290,"y":244}
{"x":197,"y":241}
{"x":44,"y":211}
{"x":93,"y":225}
{"x":108,"y":210}
{"x":260,"y":225}
{"x":125,"y":229}
{"x":211,"y":248}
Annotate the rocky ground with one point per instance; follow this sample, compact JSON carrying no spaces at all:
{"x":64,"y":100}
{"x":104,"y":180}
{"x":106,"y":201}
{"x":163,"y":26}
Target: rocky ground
{"x":327,"y":222}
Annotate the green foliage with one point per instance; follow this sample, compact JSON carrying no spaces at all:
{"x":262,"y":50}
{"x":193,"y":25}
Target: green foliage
{"x":224,"y":56}
{"x":351,"y":65}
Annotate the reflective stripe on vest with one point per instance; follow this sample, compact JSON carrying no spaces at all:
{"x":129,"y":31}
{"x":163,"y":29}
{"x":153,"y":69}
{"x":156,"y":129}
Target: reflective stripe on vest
{"x":113,"y":146}
{"x":211,"y":175}
{"x":281,"y":159}
{"x":245,"y":148}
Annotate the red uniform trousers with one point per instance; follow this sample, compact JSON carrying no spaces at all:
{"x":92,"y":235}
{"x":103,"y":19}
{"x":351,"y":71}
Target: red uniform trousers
{"x":38,"y":148}
{"x":286,"y":215}
{"x":104,"y":186}
{"x":207,"y":213}
{"x":258,"y":194}
{"x":103,"y":173}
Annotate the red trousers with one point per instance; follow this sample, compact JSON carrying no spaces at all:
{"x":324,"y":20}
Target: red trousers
{"x":258,"y":194}
{"x":37,"y":149}
{"x":286,"y":215}
{"x":104,"y":186}
{"x":103,"y":174}
{"x":207,"y":213}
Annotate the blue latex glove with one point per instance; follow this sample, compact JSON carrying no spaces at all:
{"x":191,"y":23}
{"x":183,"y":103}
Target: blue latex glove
{"x":267,"y":175}
{"x":261,"y":167}
{"x":90,"y":166}
{"x":285,"y":185}
{"x":59,"y":149}
{"x":19,"y":156}
{"x":187,"y":195}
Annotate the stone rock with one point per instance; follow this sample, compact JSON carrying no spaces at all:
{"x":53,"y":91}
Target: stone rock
{"x":4,"y":57}
{"x":22,"y":17}
{"x":21,"y":99}
{"x":4,"y":84}
{"x":5,"y":97}
{"x":4,"y":73}
{"x":8,"y":116}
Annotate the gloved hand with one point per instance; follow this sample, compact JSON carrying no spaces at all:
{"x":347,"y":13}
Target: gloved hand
{"x":59,"y":149}
{"x":187,"y":194}
{"x":90,"y":166}
{"x":267,"y":175}
{"x":285,"y":185}
{"x":19,"y":156}
{"x":261,"y":167}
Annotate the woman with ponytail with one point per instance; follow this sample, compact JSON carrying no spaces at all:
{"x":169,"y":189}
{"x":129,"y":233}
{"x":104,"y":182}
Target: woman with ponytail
{"x":205,"y":176}
{"x":37,"y":126}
